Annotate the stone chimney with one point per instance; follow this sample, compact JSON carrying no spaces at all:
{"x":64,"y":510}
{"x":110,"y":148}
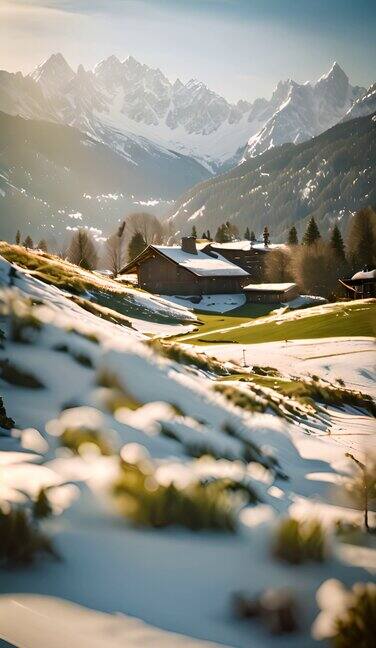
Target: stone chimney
{"x":188,"y":244}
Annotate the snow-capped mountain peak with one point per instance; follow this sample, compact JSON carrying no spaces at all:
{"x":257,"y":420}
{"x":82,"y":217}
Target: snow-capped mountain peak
{"x":53,"y":74}
{"x":305,"y":110}
{"x":126,"y":98}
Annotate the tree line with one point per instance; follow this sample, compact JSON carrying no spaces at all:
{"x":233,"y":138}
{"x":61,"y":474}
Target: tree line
{"x":316,"y":264}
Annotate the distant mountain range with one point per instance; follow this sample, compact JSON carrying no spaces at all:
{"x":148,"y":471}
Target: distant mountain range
{"x":329,"y":177}
{"x":121,"y":102}
{"x":123,"y":128}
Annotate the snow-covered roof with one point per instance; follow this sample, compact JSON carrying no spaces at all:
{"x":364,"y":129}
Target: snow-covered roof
{"x":201,"y":264}
{"x":246,"y":245}
{"x":365,"y":274}
{"x":269,"y":287}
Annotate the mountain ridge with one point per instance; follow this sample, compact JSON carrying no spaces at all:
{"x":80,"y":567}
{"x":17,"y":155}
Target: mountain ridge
{"x":135,"y":100}
{"x":329,"y":177}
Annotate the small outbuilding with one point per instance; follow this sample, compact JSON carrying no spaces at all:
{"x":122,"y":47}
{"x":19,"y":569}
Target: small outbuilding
{"x":186,"y":270}
{"x":270,"y":293}
{"x":362,"y":285}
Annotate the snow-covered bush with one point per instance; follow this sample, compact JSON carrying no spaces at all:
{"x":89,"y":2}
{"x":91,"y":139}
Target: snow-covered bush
{"x":347,"y":617}
{"x":299,"y":541}
{"x":75,"y":438}
{"x":147,"y":497}
{"x":23,"y":324}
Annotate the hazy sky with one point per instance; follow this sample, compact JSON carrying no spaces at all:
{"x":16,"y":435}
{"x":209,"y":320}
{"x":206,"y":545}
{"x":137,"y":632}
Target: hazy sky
{"x":240,"y":48}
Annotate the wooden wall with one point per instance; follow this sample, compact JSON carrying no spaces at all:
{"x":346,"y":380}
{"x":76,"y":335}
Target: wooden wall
{"x":158,"y":275}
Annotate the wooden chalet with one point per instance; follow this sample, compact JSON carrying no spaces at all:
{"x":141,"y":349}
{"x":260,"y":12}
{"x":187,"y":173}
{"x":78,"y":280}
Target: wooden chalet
{"x":186,"y":270}
{"x":361,"y":286}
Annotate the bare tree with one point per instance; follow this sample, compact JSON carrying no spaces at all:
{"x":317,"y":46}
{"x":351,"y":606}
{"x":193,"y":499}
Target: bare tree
{"x":146,"y":224}
{"x":316,"y":269}
{"x":278,"y":265}
{"x":362,"y":487}
{"x":42,"y":245}
{"x":82,"y":250}
{"x":115,"y":250}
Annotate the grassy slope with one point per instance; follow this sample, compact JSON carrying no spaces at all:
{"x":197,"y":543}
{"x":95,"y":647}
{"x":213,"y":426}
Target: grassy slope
{"x":107,"y":292}
{"x":342,"y":319}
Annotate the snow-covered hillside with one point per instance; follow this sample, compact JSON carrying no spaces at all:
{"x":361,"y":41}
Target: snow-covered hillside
{"x":365,"y":105}
{"x":65,"y":371}
{"x":122,"y":100}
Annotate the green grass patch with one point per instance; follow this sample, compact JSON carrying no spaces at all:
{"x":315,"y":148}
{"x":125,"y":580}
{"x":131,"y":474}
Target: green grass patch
{"x":346,"y":319}
{"x":124,"y":304}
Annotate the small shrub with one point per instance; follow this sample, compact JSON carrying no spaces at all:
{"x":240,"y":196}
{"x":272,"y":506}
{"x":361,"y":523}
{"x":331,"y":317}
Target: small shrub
{"x":82,"y":359}
{"x":252,"y":452}
{"x":317,"y":390}
{"x":362,"y":486}
{"x":212,"y":505}
{"x":73,"y":438}
{"x":179,"y":354}
{"x":116,"y":396}
{"x":78,"y":356}
{"x":240,"y":398}
{"x":41,"y":506}
{"x":356,"y":627}
{"x":264,"y":371}
{"x":23,"y":325}
{"x":6,"y":422}
{"x":21,"y":541}
{"x":18,"y":377}
{"x":298,"y":541}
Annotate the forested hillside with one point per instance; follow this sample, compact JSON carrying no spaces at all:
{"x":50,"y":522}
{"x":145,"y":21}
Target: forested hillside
{"x":329,"y":177}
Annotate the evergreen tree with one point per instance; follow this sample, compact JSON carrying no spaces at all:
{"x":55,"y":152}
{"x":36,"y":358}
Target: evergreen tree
{"x":208,"y":236}
{"x":136,"y":245}
{"x":28,"y":242}
{"x":220,"y":235}
{"x":247,"y":234}
{"x":42,"y":245}
{"x":266,"y":236}
{"x":204,"y":236}
{"x":82,"y":250}
{"x":253,"y":237}
{"x":336,"y":242}
{"x":194,"y":231}
{"x":361,"y":240}
{"x":18,"y":237}
{"x":312,"y":234}
{"x":292,"y":238}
